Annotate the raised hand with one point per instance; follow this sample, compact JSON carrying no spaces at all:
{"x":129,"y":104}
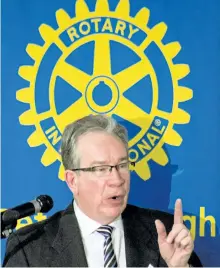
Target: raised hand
{"x":177,"y":246}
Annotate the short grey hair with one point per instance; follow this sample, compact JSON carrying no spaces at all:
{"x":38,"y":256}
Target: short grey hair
{"x":90,"y":123}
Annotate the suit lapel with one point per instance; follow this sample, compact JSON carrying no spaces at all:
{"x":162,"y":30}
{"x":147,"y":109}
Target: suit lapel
{"x":141,"y":246}
{"x":68,"y":245}
{"x":140,"y":240}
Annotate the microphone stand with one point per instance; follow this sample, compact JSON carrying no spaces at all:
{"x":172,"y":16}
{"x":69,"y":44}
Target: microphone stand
{"x":8,"y":229}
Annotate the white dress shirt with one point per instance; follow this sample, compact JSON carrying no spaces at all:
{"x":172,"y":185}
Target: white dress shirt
{"x":94,"y":242}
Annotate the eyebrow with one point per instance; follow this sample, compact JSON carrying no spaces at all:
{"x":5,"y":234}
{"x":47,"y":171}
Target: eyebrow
{"x":105,"y":163}
{"x":123,"y":158}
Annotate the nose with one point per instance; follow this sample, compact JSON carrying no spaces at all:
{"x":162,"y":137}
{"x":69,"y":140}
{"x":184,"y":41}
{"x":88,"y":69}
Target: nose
{"x":115,"y":179}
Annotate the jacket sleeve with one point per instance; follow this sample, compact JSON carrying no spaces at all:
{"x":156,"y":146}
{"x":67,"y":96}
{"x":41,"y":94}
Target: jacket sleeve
{"x":194,"y":260}
{"x":15,"y":255}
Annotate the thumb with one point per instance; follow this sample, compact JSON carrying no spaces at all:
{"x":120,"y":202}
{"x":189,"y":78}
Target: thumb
{"x":161,"y":231}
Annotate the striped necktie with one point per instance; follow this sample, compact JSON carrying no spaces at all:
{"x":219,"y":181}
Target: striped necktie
{"x":109,"y":255}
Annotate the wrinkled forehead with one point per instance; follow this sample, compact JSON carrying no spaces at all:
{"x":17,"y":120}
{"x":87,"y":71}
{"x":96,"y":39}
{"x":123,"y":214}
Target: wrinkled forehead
{"x":100,"y":147}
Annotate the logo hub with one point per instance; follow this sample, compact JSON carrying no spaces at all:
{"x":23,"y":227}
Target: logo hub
{"x":95,"y":90}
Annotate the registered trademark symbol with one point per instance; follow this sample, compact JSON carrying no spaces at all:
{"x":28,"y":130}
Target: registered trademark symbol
{"x":157,"y":122}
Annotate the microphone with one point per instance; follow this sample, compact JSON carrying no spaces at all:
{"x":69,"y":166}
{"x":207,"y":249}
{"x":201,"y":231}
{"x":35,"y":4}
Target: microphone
{"x":42,"y":203}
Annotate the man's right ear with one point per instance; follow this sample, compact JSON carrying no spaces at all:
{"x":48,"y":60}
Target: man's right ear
{"x":72,"y":181}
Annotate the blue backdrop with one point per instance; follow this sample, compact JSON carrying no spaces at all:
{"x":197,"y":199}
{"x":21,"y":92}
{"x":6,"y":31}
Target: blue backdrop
{"x":152,"y":65}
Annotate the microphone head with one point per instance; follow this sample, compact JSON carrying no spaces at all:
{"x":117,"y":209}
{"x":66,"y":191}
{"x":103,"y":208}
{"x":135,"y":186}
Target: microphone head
{"x":46,"y":202}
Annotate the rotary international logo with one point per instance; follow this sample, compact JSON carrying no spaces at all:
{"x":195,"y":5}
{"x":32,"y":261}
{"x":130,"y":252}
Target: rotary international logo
{"x":106,"y":62}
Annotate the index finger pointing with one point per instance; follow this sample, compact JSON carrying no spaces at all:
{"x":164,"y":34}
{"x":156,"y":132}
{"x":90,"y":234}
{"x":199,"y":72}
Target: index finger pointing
{"x":178,"y":212}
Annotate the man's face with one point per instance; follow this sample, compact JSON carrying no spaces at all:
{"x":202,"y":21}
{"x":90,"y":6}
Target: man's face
{"x":96,"y":195}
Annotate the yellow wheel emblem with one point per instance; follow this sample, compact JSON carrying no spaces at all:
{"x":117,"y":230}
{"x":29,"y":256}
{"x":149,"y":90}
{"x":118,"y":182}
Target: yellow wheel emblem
{"x":103,"y":29}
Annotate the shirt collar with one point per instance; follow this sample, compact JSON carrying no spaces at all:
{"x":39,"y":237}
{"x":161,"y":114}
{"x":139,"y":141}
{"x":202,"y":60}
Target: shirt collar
{"x":88,"y":226}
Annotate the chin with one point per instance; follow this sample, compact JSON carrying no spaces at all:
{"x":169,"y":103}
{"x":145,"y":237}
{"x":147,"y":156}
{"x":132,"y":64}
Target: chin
{"x":114,"y":212}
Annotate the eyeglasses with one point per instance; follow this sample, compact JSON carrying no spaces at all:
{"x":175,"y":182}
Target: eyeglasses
{"x":105,"y":170}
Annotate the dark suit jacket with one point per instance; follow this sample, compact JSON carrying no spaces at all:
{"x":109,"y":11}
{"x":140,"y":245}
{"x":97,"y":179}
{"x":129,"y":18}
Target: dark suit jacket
{"x":57,"y":241}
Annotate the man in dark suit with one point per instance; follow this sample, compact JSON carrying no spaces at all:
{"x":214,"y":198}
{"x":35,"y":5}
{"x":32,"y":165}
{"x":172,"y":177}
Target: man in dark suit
{"x":99,"y":229}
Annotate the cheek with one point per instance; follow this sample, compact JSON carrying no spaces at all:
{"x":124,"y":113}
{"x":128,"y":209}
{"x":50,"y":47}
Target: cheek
{"x":92,"y":189}
{"x":128,"y":183}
